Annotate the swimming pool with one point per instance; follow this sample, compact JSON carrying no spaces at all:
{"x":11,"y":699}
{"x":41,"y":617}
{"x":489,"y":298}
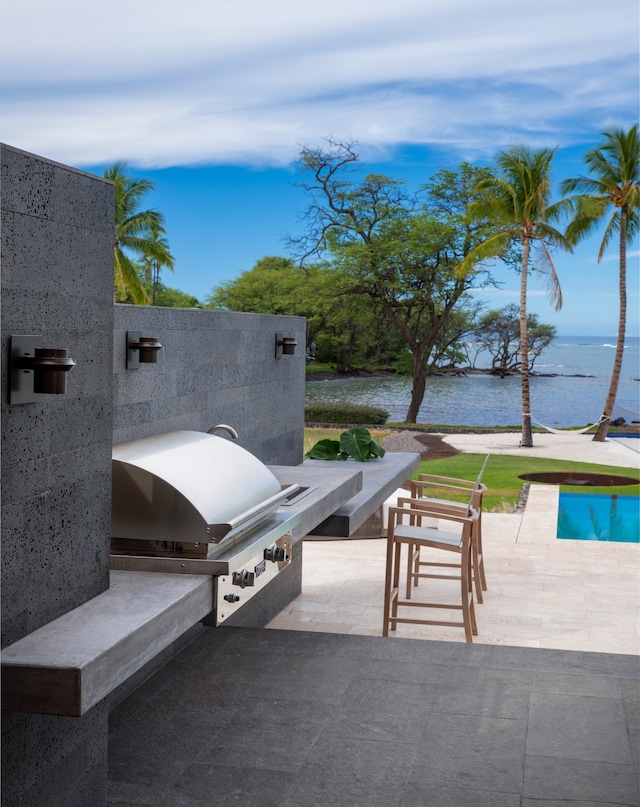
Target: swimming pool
{"x":599,"y":517}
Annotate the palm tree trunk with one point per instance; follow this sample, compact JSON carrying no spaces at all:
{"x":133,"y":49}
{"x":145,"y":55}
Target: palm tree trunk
{"x":527,"y":438}
{"x":601,"y":434}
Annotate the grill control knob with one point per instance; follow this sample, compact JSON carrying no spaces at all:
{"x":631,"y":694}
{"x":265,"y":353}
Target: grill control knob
{"x":275,"y":553}
{"x":231,"y":597}
{"x":243,"y":578}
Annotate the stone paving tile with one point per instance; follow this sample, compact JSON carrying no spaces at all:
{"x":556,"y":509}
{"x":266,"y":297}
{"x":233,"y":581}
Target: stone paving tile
{"x":578,"y":727}
{"x":477,"y":753}
{"x":420,"y":795}
{"x":268,"y":733}
{"x":574,"y":780}
{"x":208,"y":785}
{"x":379,"y":709}
{"x":344,"y":772}
{"x":485,"y":693}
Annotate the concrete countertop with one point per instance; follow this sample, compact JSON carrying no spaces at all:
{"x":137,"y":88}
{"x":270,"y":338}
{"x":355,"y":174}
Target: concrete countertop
{"x":380,"y":478}
{"x":346,"y":493}
{"x":72,"y":663}
{"x":331,"y":484}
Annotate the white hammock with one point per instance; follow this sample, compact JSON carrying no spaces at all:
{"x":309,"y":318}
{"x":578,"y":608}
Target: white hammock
{"x":569,"y":431}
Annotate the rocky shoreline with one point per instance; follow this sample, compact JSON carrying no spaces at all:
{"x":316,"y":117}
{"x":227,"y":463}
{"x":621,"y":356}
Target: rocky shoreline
{"x":453,"y":372}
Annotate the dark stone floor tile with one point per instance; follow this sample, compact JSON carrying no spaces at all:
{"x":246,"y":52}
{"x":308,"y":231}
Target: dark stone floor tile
{"x":474,"y":753}
{"x":219,"y":786}
{"x":413,"y":672}
{"x":351,"y":773}
{"x":200,"y":687}
{"x":631,"y":699}
{"x":455,"y":797}
{"x":576,"y":780}
{"x":565,"y":661}
{"x":267,"y":733}
{"x":562,"y":803}
{"x":155,"y":752}
{"x":375,"y":648}
{"x":634,"y":739}
{"x":257,"y":640}
{"x":485,"y":692}
{"x":322,"y":679}
{"x":388,"y":710}
{"x":567,"y":684}
{"x":132,"y":794}
{"x":578,"y":727}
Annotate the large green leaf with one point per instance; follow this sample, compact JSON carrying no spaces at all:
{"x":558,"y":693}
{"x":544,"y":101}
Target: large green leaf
{"x":357,"y":443}
{"x":326,"y":450}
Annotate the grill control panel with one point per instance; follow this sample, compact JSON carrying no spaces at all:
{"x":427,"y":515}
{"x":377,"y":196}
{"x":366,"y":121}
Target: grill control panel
{"x":235,"y":589}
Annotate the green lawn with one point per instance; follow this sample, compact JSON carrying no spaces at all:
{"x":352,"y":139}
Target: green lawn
{"x":502,"y":472}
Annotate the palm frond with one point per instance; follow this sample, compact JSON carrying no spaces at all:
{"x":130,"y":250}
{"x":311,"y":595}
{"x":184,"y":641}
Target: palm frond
{"x":545,"y":266}
{"x":137,"y":231}
{"x":127,"y":279}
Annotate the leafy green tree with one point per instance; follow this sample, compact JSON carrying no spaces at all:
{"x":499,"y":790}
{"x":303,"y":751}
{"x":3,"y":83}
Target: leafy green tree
{"x":342,"y":328}
{"x":517,"y":197}
{"x":610,"y":195}
{"x":498,"y":332}
{"x":173,"y":298}
{"x":272,"y":286}
{"x":399,"y":254}
{"x":138,"y":234}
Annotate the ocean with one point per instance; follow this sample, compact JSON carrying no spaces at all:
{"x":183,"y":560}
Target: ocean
{"x":568,"y":388}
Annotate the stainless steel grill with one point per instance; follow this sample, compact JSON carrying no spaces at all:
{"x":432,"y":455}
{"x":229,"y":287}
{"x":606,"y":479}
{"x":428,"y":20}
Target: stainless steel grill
{"x":195,"y":503}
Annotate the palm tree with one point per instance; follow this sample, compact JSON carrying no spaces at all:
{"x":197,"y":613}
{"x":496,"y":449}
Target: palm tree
{"x":136,"y":231}
{"x":611,"y":193}
{"x":517,"y":198}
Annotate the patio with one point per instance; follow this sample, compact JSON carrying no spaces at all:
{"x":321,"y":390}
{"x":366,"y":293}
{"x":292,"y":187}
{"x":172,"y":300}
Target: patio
{"x":542,"y":592}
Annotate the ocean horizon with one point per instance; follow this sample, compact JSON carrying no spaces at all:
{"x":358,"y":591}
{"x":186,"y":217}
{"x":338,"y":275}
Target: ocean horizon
{"x":569,"y":386}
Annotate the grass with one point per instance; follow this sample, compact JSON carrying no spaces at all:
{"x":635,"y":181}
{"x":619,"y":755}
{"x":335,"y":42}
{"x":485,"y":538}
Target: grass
{"x":501,"y":475}
{"x":319,"y":367}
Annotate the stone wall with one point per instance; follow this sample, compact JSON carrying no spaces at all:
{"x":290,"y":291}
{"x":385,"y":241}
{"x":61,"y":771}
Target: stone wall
{"x":215,"y":367}
{"x":57,"y":280}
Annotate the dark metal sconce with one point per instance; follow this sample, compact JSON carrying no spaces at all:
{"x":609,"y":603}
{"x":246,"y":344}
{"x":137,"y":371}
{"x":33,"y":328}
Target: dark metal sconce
{"x":285,"y":345}
{"x":141,"y":350}
{"x":36,"y":369}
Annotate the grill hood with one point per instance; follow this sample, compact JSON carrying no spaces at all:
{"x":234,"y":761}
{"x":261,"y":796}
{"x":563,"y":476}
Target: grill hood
{"x":190,"y":486}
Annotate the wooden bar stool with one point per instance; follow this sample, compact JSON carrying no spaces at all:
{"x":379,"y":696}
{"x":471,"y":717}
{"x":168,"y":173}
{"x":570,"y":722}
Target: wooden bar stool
{"x":405,"y":531}
{"x":444,"y":485}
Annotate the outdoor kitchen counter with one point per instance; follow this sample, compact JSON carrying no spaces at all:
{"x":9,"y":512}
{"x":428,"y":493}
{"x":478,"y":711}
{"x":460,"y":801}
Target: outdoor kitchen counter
{"x":72,"y":663}
{"x":329,"y":486}
{"x":326,"y":511}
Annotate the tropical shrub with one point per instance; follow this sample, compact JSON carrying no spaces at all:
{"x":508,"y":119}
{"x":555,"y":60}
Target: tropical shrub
{"x":344,"y":412}
{"x":355,"y":443}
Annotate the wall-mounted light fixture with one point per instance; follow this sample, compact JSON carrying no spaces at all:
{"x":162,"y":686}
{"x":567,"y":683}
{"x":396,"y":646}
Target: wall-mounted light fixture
{"x":37,"y":370}
{"x":141,"y":349}
{"x":285,"y":345}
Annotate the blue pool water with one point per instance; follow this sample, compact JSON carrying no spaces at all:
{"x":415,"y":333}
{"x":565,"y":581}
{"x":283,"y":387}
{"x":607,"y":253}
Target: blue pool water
{"x":599,"y":517}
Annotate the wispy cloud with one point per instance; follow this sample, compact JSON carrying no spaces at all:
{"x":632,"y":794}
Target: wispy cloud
{"x":247,"y":81}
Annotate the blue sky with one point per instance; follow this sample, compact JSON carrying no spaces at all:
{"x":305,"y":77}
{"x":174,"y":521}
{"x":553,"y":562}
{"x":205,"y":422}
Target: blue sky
{"x":212,"y":99}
